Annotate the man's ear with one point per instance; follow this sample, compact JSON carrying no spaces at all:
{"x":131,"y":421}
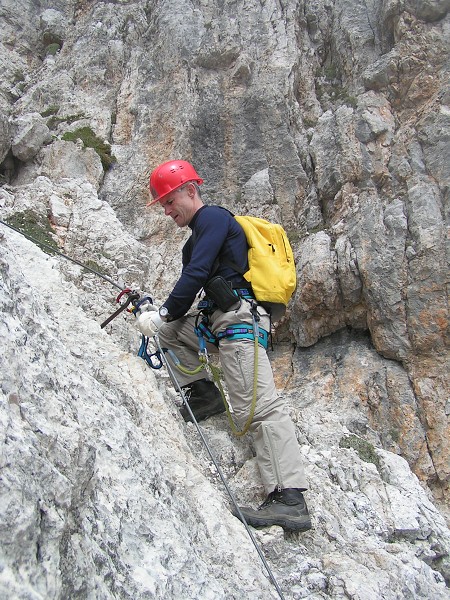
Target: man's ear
{"x":191,"y":189}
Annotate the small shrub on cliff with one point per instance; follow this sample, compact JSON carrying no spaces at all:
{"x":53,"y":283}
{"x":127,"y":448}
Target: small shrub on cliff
{"x":50,"y":111}
{"x":55,"y":120}
{"x":52,"y":49}
{"x":90,"y":140}
{"x":36,"y":227}
{"x":365,"y":450}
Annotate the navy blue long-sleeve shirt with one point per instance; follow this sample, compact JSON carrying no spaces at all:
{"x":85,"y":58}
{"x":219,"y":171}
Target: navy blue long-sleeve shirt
{"x":215,"y":235}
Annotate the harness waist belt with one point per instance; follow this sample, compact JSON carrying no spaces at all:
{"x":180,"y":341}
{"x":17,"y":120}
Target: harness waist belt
{"x":242,"y":331}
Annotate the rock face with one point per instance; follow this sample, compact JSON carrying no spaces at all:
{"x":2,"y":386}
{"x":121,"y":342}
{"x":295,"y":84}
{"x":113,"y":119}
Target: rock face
{"x":330,"y":117}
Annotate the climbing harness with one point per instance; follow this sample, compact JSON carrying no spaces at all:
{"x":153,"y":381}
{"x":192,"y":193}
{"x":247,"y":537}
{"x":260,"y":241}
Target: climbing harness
{"x":233,"y":332}
{"x":179,"y":389}
{"x":244,"y":332}
{"x":204,"y":334}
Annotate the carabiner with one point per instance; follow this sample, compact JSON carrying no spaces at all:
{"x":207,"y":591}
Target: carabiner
{"x":154,"y":360}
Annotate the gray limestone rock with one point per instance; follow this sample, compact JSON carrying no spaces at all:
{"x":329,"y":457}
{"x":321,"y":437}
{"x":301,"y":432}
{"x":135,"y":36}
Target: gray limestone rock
{"x":327,"y":116}
{"x":30,"y":134}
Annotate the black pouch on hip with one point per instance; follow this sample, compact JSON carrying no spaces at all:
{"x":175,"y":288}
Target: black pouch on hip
{"x":221,"y":293}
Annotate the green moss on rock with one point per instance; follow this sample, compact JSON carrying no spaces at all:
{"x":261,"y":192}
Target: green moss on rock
{"x":36,"y":227}
{"x":90,"y":140}
{"x":365,"y":450}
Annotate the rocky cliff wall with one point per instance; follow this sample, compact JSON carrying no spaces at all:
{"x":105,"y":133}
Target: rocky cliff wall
{"x":329,"y":117}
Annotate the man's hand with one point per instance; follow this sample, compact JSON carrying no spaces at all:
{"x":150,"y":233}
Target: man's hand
{"x":149,"y":322}
{"x":144,"y":304}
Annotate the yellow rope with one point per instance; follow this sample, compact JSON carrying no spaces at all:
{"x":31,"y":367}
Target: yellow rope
{"x":215,"y":371}
{"x":186,"y":371}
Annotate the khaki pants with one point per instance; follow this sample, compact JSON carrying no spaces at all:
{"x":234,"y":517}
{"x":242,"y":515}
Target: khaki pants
{"x":272,"y":430}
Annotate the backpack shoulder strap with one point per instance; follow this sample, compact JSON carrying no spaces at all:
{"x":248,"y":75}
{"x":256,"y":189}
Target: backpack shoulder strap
{"x":218,"y":262}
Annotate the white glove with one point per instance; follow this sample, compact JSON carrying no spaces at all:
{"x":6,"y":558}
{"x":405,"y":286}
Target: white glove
{"x":149,"y":323}
{"x":144,"y":305}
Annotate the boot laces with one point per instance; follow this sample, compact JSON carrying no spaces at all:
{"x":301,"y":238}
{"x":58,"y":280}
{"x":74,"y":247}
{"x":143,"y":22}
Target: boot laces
{"x":187,"y":390}
{"x":271,"y":498}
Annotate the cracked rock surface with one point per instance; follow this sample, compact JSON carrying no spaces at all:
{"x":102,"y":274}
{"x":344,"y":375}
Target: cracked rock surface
{"x":330,"y":117}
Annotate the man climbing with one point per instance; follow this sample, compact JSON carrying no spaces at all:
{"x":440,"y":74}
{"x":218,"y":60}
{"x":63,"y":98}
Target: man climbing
{"x":218,"y":241}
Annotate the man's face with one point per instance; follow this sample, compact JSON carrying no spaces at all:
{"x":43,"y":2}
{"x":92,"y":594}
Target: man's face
{"x":180,"y":205}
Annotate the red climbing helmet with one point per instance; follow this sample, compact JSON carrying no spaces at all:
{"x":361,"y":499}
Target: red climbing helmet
{"x":170,"y":176}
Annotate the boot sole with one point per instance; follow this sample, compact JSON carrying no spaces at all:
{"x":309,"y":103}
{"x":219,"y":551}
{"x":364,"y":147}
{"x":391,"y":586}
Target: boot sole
{"x":291,"y":524}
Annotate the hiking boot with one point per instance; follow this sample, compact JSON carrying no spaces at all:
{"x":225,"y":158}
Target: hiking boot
{"x":286,"y":508}
{"x":204,"y":400}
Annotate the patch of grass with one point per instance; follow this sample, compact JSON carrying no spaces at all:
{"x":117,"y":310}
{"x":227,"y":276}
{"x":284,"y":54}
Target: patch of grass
{"x":365,"y":450}
{"x":91,"y":264}
{"x":340,"y":94}
{"x":309,"y":122}
{"x":90,"y":140}
{"x":35,"y":226}
{"x":329,"y":86}
{"x":394,"y":434}
{"x":54,"y":120}
{"x":52,"y":49}
{"x":51,"y":110}
{"x":72,"y":118}
{"x":18,"y":76}
{"x":316,"y":229}
{"x":330,"y":72}
{"x":293,"y":235}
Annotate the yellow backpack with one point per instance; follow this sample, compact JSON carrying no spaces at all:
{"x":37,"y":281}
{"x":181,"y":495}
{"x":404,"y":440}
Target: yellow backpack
{"x":271,"y":273}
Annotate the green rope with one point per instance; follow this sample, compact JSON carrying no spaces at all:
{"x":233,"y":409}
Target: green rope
{"x":216,"y":375}
{"x":186,"y":371}
{"x":215,"y":372}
